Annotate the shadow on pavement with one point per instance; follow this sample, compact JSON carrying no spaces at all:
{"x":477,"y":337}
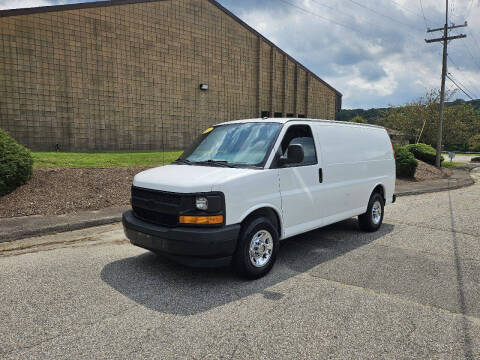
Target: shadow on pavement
{"x":164,"y":286}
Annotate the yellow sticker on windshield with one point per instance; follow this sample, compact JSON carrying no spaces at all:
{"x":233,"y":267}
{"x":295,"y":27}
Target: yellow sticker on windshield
{"x":207,"y":131}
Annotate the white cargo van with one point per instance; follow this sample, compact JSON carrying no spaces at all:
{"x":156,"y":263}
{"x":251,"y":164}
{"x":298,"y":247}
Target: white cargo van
{"x":244,"y":185}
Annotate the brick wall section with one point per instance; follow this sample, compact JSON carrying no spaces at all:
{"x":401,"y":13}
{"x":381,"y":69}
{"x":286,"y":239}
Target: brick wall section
{"x":290,"y":88}
{"x":127,"y":76}
{"x":301,"y":93}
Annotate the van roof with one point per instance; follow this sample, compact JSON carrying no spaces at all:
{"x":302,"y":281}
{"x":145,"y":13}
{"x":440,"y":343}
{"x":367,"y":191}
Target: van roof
{"x":285,"y":120}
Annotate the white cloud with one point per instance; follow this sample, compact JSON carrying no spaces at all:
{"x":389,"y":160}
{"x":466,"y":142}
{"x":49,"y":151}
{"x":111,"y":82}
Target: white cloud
{"x":386,"y":60}
{"x":18,"y":4}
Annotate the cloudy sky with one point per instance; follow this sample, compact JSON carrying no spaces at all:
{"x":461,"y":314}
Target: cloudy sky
{"x":373,"y":51}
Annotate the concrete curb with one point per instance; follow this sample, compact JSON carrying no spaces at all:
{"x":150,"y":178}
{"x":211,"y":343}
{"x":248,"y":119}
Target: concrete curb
{"x":436,"y":189}
{"x":459,"y":179}
{"x":26,"y":226}
{"x":36,"y":225}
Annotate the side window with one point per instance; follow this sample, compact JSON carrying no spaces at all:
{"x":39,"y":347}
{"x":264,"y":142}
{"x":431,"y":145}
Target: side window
{"x":300,"y":135}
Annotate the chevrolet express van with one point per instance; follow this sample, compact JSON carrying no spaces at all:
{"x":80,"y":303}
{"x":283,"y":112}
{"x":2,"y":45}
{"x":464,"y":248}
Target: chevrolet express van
{"x":243,"y":186}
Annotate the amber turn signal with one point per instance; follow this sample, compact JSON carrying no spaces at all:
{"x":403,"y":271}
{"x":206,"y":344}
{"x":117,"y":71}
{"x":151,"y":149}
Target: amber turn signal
{"x":201,"y":220}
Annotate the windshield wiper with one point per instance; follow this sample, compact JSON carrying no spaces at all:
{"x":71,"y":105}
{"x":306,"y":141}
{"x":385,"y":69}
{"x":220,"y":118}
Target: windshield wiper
{"x":182,"y":161}
{"x":214,"y":162}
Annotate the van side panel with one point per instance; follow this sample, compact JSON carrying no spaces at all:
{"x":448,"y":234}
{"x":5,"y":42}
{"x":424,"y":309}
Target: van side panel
{"x":355,"y":160}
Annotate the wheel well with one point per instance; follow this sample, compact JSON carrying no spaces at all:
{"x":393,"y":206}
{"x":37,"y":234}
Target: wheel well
{"x":379,"y":189}
{"x":270,"y":214}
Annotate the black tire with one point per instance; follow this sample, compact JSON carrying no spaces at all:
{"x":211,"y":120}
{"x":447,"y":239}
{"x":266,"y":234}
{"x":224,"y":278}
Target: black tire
{"x":367,"y":221}
{"x":241,"y":259}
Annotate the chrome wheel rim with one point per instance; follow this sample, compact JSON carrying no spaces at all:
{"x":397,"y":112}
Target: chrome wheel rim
{"x":261,"y":248}
{"x":376,"y":212}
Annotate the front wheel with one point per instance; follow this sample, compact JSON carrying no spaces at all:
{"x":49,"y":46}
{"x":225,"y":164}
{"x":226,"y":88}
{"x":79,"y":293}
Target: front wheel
{"x":373,"y":218}
{"x":257,"y":248}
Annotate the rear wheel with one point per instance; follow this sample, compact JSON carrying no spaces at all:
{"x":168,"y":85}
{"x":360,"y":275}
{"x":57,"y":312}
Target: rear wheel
{"x":373,"y":218}
{"x":257,"y":248}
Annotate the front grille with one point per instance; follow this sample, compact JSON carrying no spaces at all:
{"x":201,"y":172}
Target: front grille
{"x":163,"y":197}
{"x":158,"y":207}
{"x":155,"y":217}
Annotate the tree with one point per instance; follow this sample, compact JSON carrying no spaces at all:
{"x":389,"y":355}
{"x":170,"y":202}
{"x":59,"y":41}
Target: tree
{"x":358,"y":119}
{"x":474,"y":143}
{"x":462,"y":122}
{"x":418,"y":120}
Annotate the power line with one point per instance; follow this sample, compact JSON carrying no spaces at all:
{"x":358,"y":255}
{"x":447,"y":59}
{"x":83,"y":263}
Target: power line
{"x":318,"y":15}
{"x":379,"y":13}
{"x":470,"y":53}
{"x":334,"y":9}
{"x":452,"y":11}
{"x":328,"y":19}
{"x":468,"y":9}
{"x":458,"y":86}
{"x":321,"y":4}
{"x":475,"y":40}
{"x":462,"y":85}
{"x":461,"y":69}
{"x":423,"y":13}
{"x":352,"y":17}
{"x":405,"y":8}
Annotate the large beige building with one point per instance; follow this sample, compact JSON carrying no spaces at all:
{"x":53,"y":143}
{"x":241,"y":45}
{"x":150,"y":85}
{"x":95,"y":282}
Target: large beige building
{"x":128,"y":74}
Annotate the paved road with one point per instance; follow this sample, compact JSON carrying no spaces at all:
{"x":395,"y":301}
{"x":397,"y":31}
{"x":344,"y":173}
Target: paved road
{"x":460,"y":158}
{"x":409,"y":291}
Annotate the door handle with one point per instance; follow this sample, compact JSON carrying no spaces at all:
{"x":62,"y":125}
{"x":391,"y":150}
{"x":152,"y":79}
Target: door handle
{"x":320,"y":175}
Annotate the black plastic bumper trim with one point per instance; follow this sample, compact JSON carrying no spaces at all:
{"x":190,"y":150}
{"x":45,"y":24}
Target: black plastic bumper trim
{"x":194,"y":243}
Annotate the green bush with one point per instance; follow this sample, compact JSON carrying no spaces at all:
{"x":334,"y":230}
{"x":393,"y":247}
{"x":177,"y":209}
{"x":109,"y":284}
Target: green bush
{"x":456,"y":147}
{"x":423,"y":152}
{"x":405,"y":162}
{"x":474,"y":143}
{"x":15,"y":164}
{"x":358,"y":119}
{"x":475,"y":159}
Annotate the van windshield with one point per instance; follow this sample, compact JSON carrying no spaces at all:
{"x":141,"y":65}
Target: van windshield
{"x":246,"y":144}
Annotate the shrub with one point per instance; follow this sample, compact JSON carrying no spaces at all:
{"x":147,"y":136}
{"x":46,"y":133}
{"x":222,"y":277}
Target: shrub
{"x":475,"y":159}
{"x":424,"y":152}
{"x":405,"y":162}
{"x":15,"y":164}
{"x":474,"y":143}
{"x":358,"y":119}
{"x":456,"y":147}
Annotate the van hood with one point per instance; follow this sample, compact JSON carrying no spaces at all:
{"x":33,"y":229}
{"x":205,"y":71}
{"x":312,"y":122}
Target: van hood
{"x":188,"y":178}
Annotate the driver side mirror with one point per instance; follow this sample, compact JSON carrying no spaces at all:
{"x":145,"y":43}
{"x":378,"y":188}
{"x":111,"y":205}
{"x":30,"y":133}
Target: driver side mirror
{"x":294,"y":155}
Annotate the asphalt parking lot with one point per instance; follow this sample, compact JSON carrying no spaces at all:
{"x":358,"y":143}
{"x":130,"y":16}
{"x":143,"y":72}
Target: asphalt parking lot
{"x":409,"y":291}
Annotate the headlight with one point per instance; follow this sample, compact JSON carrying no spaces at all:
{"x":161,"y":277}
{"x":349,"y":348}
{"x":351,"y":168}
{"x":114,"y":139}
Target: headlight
{"x":201,"y":203}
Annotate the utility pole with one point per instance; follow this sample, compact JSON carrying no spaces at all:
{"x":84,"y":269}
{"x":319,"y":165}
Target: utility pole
{"x":445,"y":40}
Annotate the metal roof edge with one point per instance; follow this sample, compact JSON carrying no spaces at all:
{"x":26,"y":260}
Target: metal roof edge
{"x":66,"y":7}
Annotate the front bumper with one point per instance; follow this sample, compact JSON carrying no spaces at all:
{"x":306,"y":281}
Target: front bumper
{"x":193,"y":246}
